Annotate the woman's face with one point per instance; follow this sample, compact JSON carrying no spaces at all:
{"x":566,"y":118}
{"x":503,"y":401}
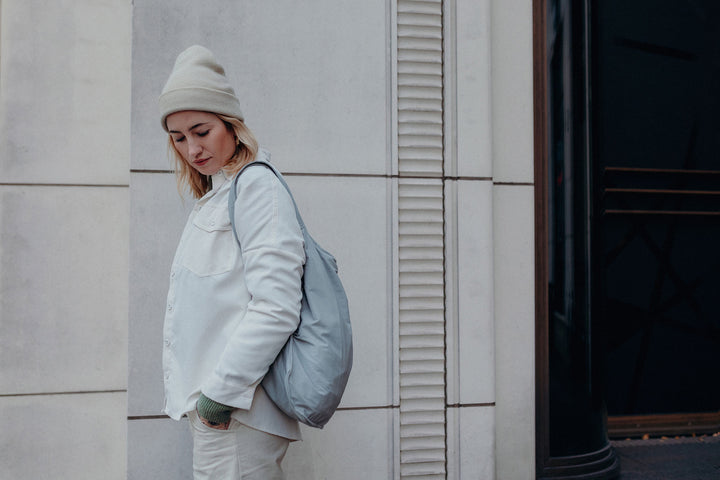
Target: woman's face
{"x":202,"y":139}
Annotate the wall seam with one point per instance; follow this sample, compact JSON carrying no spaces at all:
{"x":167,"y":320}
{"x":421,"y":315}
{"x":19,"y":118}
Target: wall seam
{"x":45,"y":394}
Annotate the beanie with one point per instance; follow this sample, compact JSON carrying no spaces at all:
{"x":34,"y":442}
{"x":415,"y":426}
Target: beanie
{"x":197,"y":82}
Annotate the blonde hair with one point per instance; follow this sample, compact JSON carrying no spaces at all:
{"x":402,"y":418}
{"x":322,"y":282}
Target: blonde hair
{"x":199,"y":184}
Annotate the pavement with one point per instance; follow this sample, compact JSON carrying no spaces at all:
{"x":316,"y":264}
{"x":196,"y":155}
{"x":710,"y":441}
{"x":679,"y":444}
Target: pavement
{"x":683,"y":458}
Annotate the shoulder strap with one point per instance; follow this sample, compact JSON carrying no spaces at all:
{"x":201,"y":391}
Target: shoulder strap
{"x":232,"y":196}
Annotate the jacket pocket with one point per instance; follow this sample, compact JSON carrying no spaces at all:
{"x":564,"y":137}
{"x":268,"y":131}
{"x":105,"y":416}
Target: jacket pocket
{"x":211,"y":248}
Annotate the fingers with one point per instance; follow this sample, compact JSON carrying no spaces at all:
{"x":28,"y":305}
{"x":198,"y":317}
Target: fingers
{"x":214,"y":425}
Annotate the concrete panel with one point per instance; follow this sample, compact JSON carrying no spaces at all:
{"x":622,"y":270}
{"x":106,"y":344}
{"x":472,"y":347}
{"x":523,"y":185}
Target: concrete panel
{"x":513,"y":233}
{"x":473,"y":100}
{"x":158,"y":215}
{"x":63,"y":274}
{"x":512,"y":90}
{"x":471,"y":365}
{"x":471,"y":443}
{"x":65,"y":92}
{"x":312,"y":77}
{"x":354,"y":445}
{"x":159,"y":449}
{"x":63,"y":436}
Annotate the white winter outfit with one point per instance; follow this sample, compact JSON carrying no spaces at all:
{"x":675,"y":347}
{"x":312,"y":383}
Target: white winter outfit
{"x":231,"y":310}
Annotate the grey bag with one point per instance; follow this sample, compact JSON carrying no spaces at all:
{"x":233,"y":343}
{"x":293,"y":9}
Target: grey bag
{"x":308,"y":377}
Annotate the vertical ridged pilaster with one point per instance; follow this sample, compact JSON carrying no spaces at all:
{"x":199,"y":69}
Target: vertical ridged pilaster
{"x":421,"y":240}
{"x":422,"y":329}
{"x":420,"y":92}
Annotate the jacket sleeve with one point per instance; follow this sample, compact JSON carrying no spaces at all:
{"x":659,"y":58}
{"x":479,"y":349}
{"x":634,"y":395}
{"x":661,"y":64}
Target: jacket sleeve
{"x":273,"y":257}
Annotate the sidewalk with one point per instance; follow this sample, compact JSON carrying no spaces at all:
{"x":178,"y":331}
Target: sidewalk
{"x":684,"y":458}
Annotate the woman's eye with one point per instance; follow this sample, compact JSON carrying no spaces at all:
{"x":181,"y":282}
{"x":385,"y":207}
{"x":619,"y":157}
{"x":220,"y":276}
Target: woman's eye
{"x":202,"y":134}
{"x":179,"y":139}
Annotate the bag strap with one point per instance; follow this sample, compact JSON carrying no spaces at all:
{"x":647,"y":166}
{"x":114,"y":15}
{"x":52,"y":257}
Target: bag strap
{"x":232,"y":197}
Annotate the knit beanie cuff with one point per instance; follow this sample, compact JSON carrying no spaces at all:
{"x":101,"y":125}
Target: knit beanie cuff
{"x":201,"y":99}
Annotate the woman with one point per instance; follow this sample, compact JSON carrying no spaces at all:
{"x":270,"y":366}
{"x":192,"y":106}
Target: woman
{"x":230,"y":309}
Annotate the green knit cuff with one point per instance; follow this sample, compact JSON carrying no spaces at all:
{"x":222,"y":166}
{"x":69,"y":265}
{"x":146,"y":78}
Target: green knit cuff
{"x":213,"y":411}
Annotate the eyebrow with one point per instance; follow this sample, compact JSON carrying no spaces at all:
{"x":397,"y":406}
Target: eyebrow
{"x":191,"y":128}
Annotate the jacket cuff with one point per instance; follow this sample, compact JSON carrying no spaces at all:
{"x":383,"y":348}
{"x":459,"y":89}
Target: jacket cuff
{"x":219,"y":390}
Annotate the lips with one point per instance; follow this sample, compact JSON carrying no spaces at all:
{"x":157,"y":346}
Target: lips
{"x":201,"y":162}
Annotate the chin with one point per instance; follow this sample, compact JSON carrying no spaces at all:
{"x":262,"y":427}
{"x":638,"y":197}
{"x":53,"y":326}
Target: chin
{"x":205,"y":170}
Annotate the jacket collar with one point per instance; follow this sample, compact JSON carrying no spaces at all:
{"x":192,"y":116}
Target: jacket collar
{"x":221,"y":176}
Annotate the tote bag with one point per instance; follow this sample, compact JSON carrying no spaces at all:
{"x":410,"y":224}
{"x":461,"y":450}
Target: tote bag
{"x":308,"y":377}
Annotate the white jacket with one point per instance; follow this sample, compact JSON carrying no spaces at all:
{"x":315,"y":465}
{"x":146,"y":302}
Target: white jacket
{"x":230,"y":313}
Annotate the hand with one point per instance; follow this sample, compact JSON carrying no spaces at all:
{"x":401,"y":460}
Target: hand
{"x":214,"y":425}
{"x":213,"y":414}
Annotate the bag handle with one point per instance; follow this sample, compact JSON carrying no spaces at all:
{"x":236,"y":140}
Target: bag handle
{"x":232,"y":197}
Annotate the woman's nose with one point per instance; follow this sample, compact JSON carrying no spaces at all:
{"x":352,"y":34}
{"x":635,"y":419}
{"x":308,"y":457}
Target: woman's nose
{"x":194,"y":148}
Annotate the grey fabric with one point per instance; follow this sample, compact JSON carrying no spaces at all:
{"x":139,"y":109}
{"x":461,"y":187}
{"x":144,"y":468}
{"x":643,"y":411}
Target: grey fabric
{"x":309,"y":376}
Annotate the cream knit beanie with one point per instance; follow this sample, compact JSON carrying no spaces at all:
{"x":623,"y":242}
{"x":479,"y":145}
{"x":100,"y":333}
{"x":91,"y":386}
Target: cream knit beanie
{"x":197,"y":82}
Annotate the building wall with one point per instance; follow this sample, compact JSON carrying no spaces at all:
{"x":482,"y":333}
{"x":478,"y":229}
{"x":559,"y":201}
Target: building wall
{"x":64,"y":158}
{"x":513,"y":233}
{"x":314,"y":81}
{"x":489,"y":227}
{"x":404,"y":129}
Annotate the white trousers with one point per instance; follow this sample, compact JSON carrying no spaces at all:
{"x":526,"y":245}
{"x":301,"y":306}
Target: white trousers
{"x":240,"y":452}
